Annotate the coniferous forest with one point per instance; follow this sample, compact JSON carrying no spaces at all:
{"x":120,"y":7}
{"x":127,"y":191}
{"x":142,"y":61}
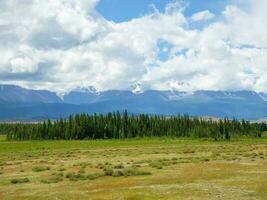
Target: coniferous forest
{"x":7,"y":128}
{"x":118,"y":125}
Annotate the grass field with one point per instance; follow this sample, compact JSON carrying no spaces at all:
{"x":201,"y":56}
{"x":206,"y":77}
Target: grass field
{"x":133,"y":169}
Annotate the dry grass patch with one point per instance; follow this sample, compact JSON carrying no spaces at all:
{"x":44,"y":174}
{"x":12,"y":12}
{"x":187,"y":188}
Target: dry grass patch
{"x":149,"y":171}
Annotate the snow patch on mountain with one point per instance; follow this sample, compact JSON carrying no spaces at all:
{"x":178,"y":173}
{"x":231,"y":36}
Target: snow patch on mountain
{"x":263,"y":96}
{"x":137,"y":88}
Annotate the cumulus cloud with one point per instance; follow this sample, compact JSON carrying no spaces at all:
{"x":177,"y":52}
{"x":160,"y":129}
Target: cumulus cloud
{"x":59,"y":45}
{"x":203,"y":15}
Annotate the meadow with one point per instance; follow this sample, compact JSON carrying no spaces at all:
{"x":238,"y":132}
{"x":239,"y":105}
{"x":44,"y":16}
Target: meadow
{"x":148,"y":168}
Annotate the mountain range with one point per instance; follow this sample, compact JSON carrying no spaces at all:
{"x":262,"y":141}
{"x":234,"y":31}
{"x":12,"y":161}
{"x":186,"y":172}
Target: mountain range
{"x":17,"y":103}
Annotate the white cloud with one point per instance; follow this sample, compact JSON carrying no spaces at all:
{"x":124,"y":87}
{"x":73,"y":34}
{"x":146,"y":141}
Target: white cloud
{"x":203,"y":15}
{"x":63,"y":44}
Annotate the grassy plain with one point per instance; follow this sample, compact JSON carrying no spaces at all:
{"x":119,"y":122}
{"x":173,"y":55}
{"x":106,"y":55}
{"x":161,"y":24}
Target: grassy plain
{"x":133,"y":169}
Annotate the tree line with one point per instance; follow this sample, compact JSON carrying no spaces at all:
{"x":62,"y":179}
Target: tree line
{"x":118,"y":125}
{"x":6,"y":128}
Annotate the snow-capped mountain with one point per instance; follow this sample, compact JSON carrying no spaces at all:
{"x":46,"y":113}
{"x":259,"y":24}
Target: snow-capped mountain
{"x":90,"y":89}
{"x":20,"y":103}
{"x":137,"y":88}
{"x":263,"y":96}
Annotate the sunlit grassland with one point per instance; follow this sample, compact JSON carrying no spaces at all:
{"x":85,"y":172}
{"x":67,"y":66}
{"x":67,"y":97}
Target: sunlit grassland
{"x":2,"y":138}
{"x":156,"y":168}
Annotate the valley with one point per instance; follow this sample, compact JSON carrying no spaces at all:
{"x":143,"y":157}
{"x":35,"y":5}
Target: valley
{"x":133,"y":169}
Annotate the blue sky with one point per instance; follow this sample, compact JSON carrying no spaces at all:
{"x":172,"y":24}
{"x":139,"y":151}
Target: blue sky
{"x":63,"y":44}
{"x":124,"y":10}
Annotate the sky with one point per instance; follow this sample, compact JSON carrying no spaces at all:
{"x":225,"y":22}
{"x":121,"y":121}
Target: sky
{"x":183,"y":45}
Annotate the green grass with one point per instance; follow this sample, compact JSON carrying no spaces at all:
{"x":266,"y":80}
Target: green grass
{"x":155,"y":168}
{"x":24,"y":146}
{"x":55,"y":178}
{"x":2,"y":138}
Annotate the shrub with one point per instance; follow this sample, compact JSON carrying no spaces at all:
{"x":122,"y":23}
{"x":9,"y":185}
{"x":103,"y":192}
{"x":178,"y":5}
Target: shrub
{"x":156,"y":165}
{"x":118,"y":173}
{"x":62,"y":169}
{"x":119,"y":166}
{"x":81,"y":171}
{"x":75,"y":176}
{"x":108,"y":171}
{"x":69,"y":174}
{"x":136,"y":165}
{"x":130,"y":172}
{"x":206,"y":159}
{"x":60,"y":174}
{"x":19,"y":180}
{"x":54,"y":179}
{"x":100,"y":166}
{"x":94,"y":176}
{"x":40,"y":169}
{"x":188,"y":151}
{"x":135,"y":172}
{"x":83,"y":165}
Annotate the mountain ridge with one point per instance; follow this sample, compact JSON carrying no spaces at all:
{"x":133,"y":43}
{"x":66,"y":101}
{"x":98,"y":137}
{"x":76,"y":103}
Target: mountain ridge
{"x":19,"y":103}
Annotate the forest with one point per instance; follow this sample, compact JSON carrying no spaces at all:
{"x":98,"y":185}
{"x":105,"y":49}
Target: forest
{"x":6,"y":128}
{"x":121,"y":125}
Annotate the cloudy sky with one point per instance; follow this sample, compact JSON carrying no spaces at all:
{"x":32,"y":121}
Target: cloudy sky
{"x":118,"y":44}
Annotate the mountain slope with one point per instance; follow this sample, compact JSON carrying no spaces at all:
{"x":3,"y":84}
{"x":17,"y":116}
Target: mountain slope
{"x":20,"y":103}
{"x":16,"y":94}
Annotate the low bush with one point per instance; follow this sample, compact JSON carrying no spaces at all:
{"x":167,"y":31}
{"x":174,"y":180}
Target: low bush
{"x":83,"y":165}
{"x":82,"y":171}
{"x":118,"y":166}
{"x":136,"y":172}
{"x":40,"y":169}
{"x":53,"y":179}
{"x":118,"y":173}
{"x":75,"y":176}
{"x":108,"y":171}
{"x":130,"y":172}
{"x":94,"y":176}
{"x":156,"y":164}
{"x":19,"y":180}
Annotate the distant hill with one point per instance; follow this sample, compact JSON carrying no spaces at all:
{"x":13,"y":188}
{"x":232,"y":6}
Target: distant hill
{"x":20,"y":103}
{"x":14,"y":94}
